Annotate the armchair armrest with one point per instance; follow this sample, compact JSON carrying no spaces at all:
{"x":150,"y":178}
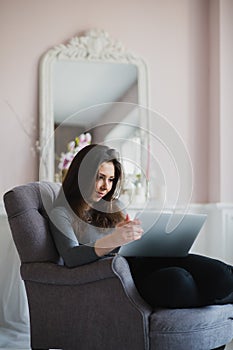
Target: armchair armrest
{"x":121,"y":269}
{"x":117,"y":267}
{"x":50,"y":273}
{"x":105,"y":286}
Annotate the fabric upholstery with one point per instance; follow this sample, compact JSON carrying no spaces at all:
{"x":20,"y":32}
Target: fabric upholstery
{"x":27,"y":208}
{"x":197,"y":328}
{"x":92,"y":315}
{"x":96,"y":306}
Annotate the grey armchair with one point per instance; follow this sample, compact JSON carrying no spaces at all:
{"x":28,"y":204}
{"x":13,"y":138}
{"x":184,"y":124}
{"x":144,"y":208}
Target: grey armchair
{"x":96,"y":306}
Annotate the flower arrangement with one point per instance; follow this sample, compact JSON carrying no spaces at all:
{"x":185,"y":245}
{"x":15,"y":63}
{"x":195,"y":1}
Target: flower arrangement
{"x":73,"y":147}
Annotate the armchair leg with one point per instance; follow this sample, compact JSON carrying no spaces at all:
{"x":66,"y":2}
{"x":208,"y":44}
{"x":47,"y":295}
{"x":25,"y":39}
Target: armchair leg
{"x":220,"y":348}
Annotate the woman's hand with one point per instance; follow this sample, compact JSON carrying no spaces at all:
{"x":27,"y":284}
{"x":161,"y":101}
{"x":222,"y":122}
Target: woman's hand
{"x":125,"y":232}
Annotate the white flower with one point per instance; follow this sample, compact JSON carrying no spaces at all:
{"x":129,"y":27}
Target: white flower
{"x":82,"y":138}
{"x":88,"y":137}
{"x":71,"y":146}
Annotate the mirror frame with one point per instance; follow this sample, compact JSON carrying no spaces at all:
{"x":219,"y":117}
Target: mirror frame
{"x":93,"y":46}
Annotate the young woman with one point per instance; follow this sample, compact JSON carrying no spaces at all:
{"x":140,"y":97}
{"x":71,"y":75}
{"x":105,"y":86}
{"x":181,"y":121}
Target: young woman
{"x":88,"y":223}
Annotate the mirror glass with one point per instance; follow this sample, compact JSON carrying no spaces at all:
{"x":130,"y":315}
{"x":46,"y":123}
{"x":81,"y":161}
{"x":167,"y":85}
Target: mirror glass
{"x":92,"y":85}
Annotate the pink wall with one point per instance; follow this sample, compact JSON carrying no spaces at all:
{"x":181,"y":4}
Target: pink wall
{"x":226,"y":99}
{"x":172,"y":37}
{"x":220,"y":101}
{"x":214,"y":102}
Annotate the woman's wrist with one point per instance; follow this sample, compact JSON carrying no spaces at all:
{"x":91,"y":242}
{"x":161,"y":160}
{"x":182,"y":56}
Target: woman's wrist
{"x":101,"y":247}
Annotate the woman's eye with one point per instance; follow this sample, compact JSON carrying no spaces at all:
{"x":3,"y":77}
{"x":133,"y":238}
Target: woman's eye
{"x":101,"y":177}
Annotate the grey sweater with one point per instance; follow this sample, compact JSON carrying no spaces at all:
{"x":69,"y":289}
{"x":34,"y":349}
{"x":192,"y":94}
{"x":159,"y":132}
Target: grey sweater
{"x":73,"y":238}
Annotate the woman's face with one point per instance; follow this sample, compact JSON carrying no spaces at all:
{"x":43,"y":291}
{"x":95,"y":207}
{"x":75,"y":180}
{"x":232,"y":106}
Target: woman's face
{"x":104,"y":180}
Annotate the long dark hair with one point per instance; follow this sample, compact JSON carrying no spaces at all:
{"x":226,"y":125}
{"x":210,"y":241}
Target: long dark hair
{"x":79,"y":183}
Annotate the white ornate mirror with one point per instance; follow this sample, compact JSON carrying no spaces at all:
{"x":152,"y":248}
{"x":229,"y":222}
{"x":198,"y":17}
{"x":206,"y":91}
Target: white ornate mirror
{"x":91,"y":83}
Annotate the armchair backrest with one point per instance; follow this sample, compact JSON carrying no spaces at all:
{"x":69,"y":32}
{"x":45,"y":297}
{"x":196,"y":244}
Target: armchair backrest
{"x":27,"y":208}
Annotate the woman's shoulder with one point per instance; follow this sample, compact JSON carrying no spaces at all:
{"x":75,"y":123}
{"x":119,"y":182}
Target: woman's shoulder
{"x":60,"y":211}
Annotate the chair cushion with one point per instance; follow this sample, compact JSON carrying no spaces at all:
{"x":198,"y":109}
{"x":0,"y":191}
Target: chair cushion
{"x":195,"y":328}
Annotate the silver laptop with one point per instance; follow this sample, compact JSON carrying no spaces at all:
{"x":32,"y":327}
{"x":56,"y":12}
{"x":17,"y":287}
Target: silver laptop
{"x":166,"y":234}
